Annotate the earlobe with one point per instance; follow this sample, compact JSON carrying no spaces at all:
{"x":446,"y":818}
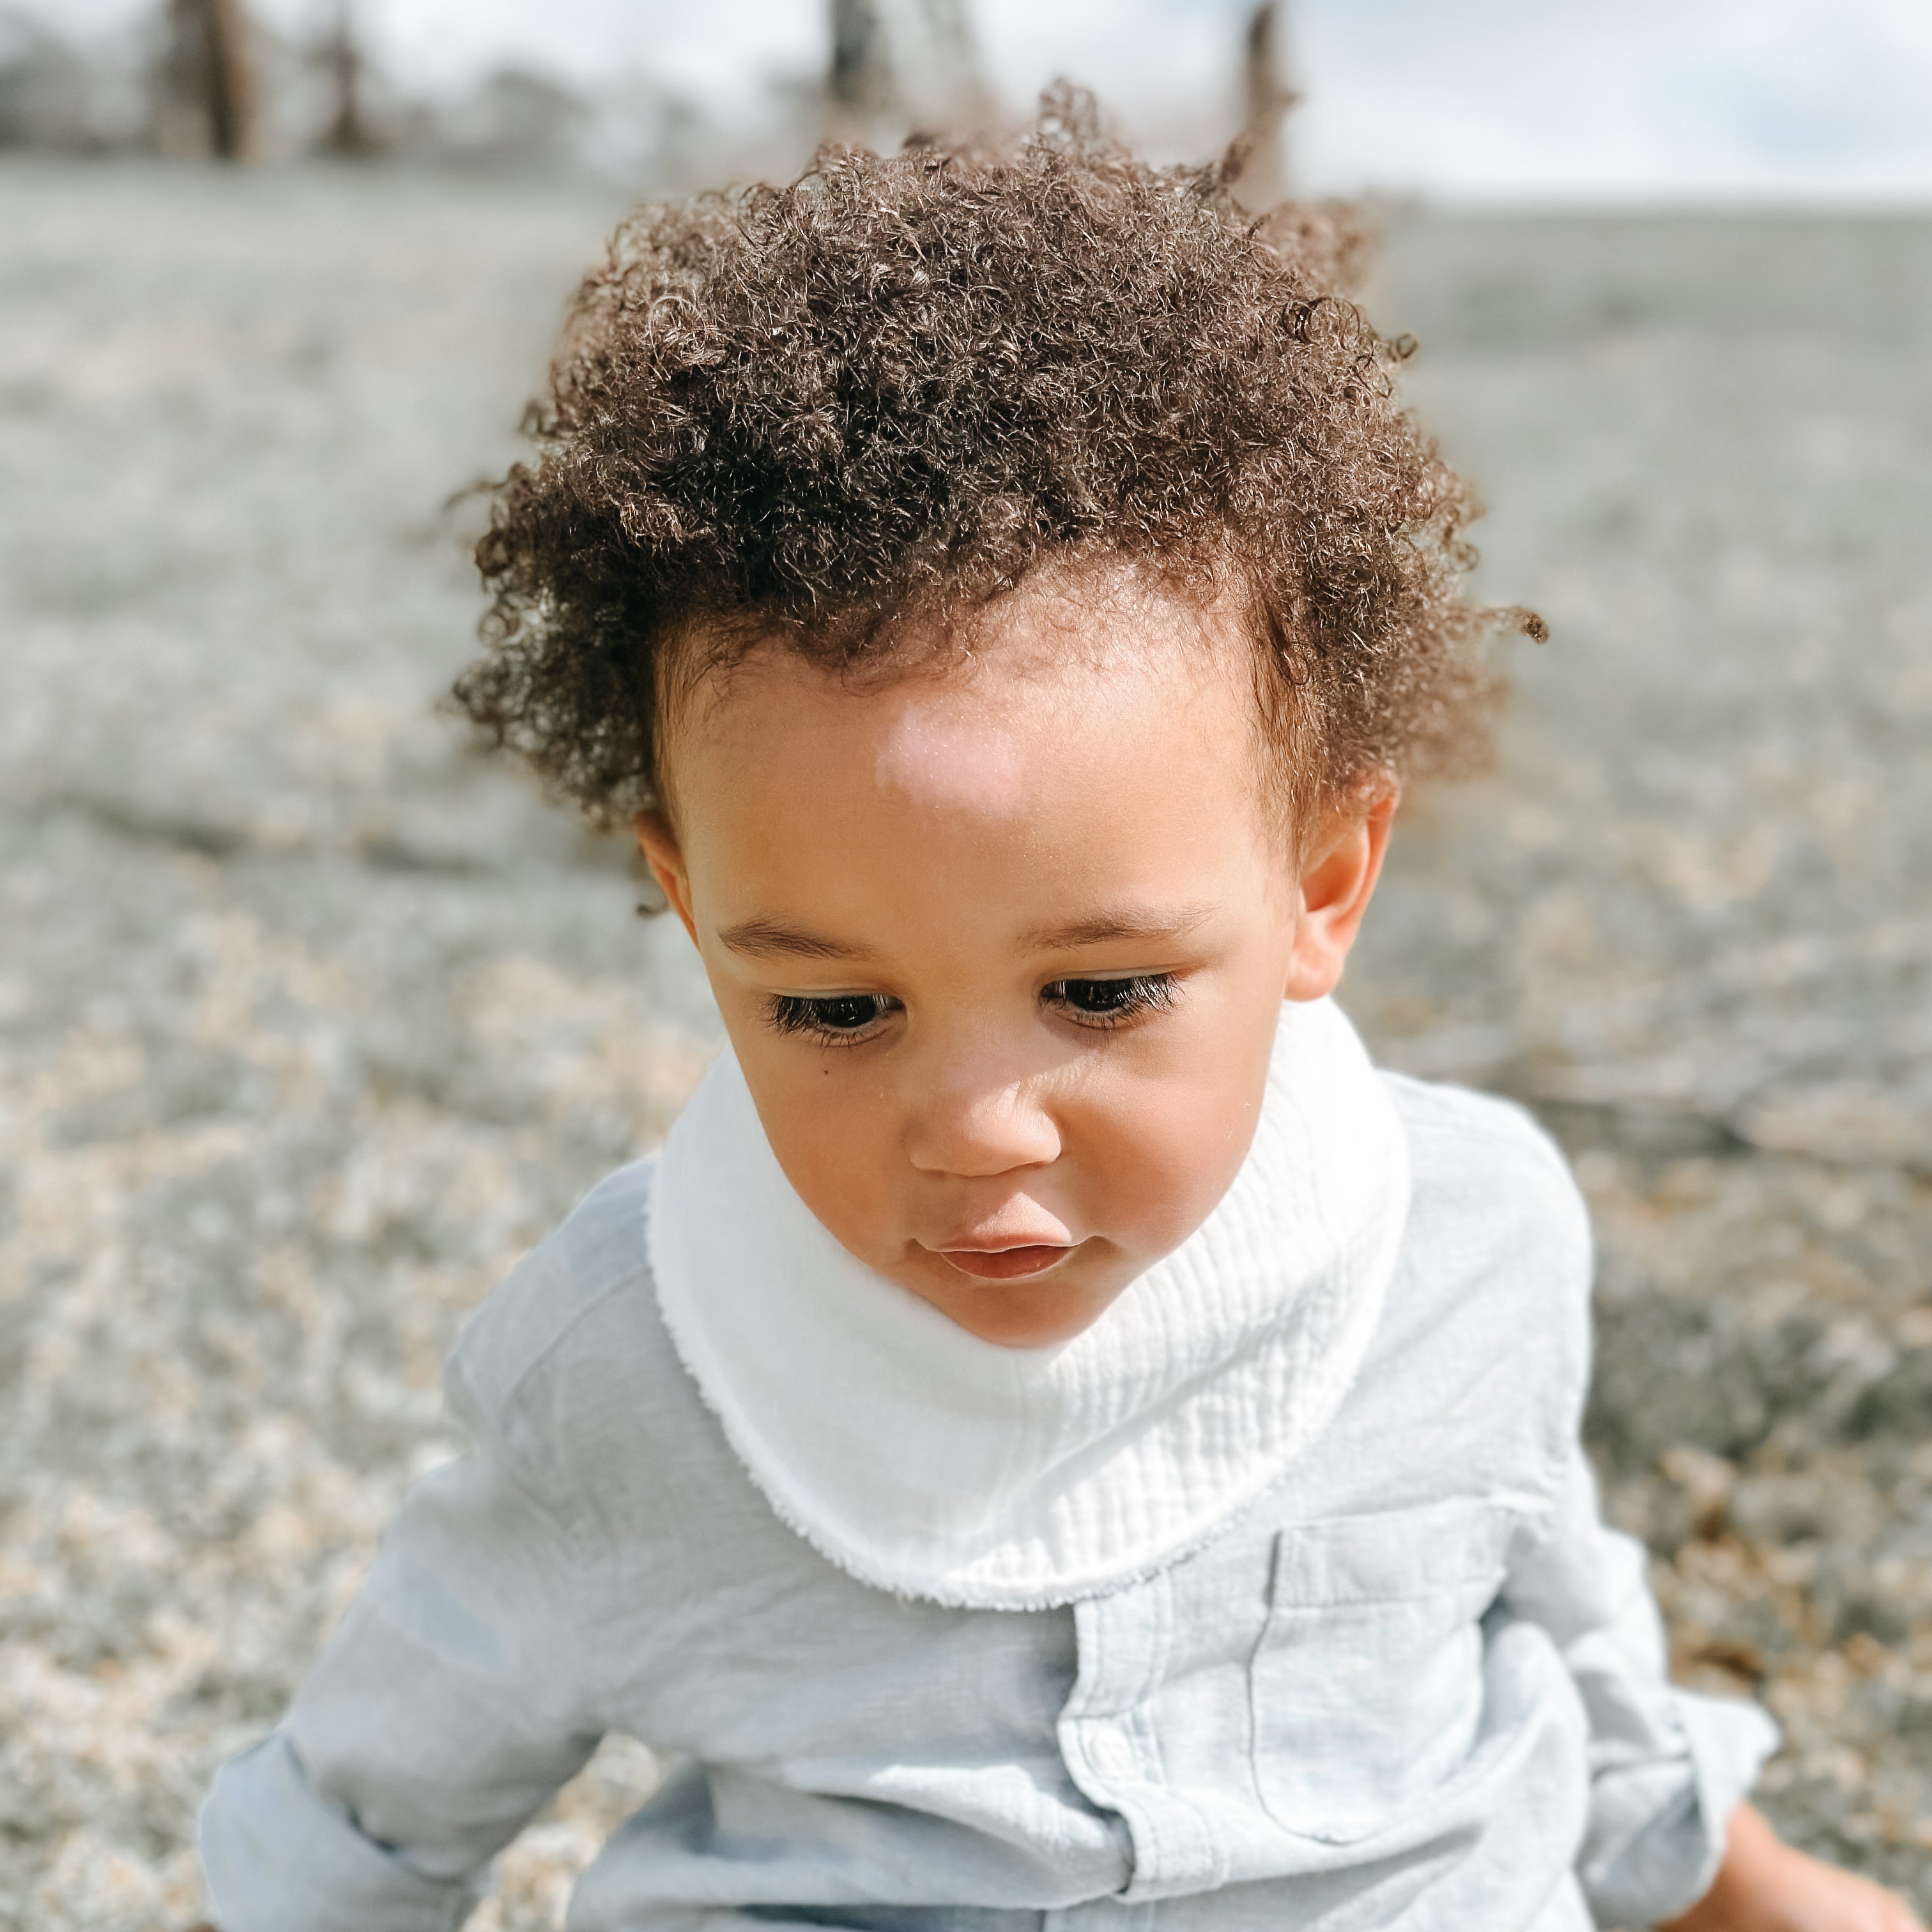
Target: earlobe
{"x":662,"y":854}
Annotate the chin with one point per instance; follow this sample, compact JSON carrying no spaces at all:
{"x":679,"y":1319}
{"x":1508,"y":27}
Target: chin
{"x":1011,"y":1317}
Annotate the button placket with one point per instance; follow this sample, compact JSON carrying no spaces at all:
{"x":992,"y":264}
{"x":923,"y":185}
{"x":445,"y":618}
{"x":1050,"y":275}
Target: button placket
{"x":1110,"y":1744}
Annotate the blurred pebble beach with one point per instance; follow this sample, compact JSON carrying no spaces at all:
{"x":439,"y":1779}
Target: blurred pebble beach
{"x":311,"y":1019}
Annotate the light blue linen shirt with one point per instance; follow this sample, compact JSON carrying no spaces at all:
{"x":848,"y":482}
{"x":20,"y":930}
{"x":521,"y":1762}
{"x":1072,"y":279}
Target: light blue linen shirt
{"x":1420,"y":1685}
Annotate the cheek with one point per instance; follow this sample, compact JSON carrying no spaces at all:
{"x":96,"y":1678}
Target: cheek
{"x":1156,"y":1154}
{"x":836,"y":1139}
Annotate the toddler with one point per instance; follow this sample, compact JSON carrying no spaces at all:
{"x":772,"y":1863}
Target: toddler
{"x":1057,"y":1442}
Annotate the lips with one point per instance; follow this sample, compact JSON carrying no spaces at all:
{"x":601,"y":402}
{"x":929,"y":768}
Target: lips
{"x":1006,"y":1263}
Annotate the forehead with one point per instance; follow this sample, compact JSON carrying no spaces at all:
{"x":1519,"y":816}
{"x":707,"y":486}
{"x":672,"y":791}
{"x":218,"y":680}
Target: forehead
{"x":1096,"y":671}
{"x":1081,"y":757}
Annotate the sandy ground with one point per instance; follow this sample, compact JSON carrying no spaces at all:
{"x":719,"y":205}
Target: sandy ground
{"x":310,"y":1021}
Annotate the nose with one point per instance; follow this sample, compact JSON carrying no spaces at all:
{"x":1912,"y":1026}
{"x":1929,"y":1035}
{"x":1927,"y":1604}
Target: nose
{"x":976,"y":1130}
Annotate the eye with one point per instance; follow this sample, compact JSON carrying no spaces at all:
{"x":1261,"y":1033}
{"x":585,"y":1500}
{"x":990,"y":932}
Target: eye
{"x":1107,"y":1003}
{"x":833,"y":1019}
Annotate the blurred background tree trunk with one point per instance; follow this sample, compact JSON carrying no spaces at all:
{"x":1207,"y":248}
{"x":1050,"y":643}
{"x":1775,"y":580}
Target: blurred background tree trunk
{"x":210,"y":100}
{"x":343,"y":65}
{"x":903,"y":66}
{"x":1268,"y":94}
{"x":859,"y":88}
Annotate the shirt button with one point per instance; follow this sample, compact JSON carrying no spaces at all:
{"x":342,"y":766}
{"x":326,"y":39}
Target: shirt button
{"x":1111,"y":1754}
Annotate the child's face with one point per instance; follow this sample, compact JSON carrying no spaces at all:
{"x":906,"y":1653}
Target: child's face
{"x":1001,"y":949}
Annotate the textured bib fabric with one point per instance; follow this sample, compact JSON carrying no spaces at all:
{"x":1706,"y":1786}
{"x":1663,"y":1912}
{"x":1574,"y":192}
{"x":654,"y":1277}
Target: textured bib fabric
{"x":925,"y":1461}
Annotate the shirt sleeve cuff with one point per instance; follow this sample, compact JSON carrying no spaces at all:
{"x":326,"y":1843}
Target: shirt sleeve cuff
{"x":276,"y":1857}
{"x":1658,"y":1830}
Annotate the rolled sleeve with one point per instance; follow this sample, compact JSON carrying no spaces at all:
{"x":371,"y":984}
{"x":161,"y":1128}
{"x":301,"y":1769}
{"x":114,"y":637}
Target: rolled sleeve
{"x":277,"y":1854}
{"x":1667,"y":1766}
{"x":446,"y":1710}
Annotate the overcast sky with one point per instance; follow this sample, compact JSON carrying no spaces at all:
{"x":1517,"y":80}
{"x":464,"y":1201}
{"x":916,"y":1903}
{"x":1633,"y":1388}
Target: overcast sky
{"x":1459,"y":99}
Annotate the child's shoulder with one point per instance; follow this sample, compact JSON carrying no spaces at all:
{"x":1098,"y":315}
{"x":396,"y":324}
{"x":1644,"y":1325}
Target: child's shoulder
{"x":1477,"y":1158}
{"x":1496,"y":1272}
{"x":566,"y":1369}
{"x":565,"y":1377}
{"x":583,"y":1275}
{"x":1494,"y":1209}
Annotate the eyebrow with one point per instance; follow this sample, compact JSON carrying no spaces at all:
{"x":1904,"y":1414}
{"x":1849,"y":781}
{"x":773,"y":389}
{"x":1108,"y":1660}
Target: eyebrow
{"x":771,"y":938}
{"x":1101,"y":928}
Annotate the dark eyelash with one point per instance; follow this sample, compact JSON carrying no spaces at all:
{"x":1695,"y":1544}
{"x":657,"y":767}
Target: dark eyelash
{"x":817,"y":1017}
{"x":1141,"y":993}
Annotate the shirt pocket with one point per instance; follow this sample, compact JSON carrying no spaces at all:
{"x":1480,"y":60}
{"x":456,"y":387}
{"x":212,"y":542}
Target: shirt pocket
{"x":1366,"y":1686}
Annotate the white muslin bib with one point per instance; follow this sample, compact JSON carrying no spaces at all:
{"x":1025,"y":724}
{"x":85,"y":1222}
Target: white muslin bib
{"x":923,"y":1460}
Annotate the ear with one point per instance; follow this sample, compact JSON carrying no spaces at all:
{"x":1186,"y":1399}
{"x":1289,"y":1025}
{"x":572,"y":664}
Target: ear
{"x":659,"y":844}
{"x":1337,"y":882}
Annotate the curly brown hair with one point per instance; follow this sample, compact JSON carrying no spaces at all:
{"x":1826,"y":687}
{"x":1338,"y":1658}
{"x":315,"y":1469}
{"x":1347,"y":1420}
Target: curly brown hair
{"x":839,"y":416}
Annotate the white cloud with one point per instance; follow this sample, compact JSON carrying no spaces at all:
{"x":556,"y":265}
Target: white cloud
{"x":1672,"y":98}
